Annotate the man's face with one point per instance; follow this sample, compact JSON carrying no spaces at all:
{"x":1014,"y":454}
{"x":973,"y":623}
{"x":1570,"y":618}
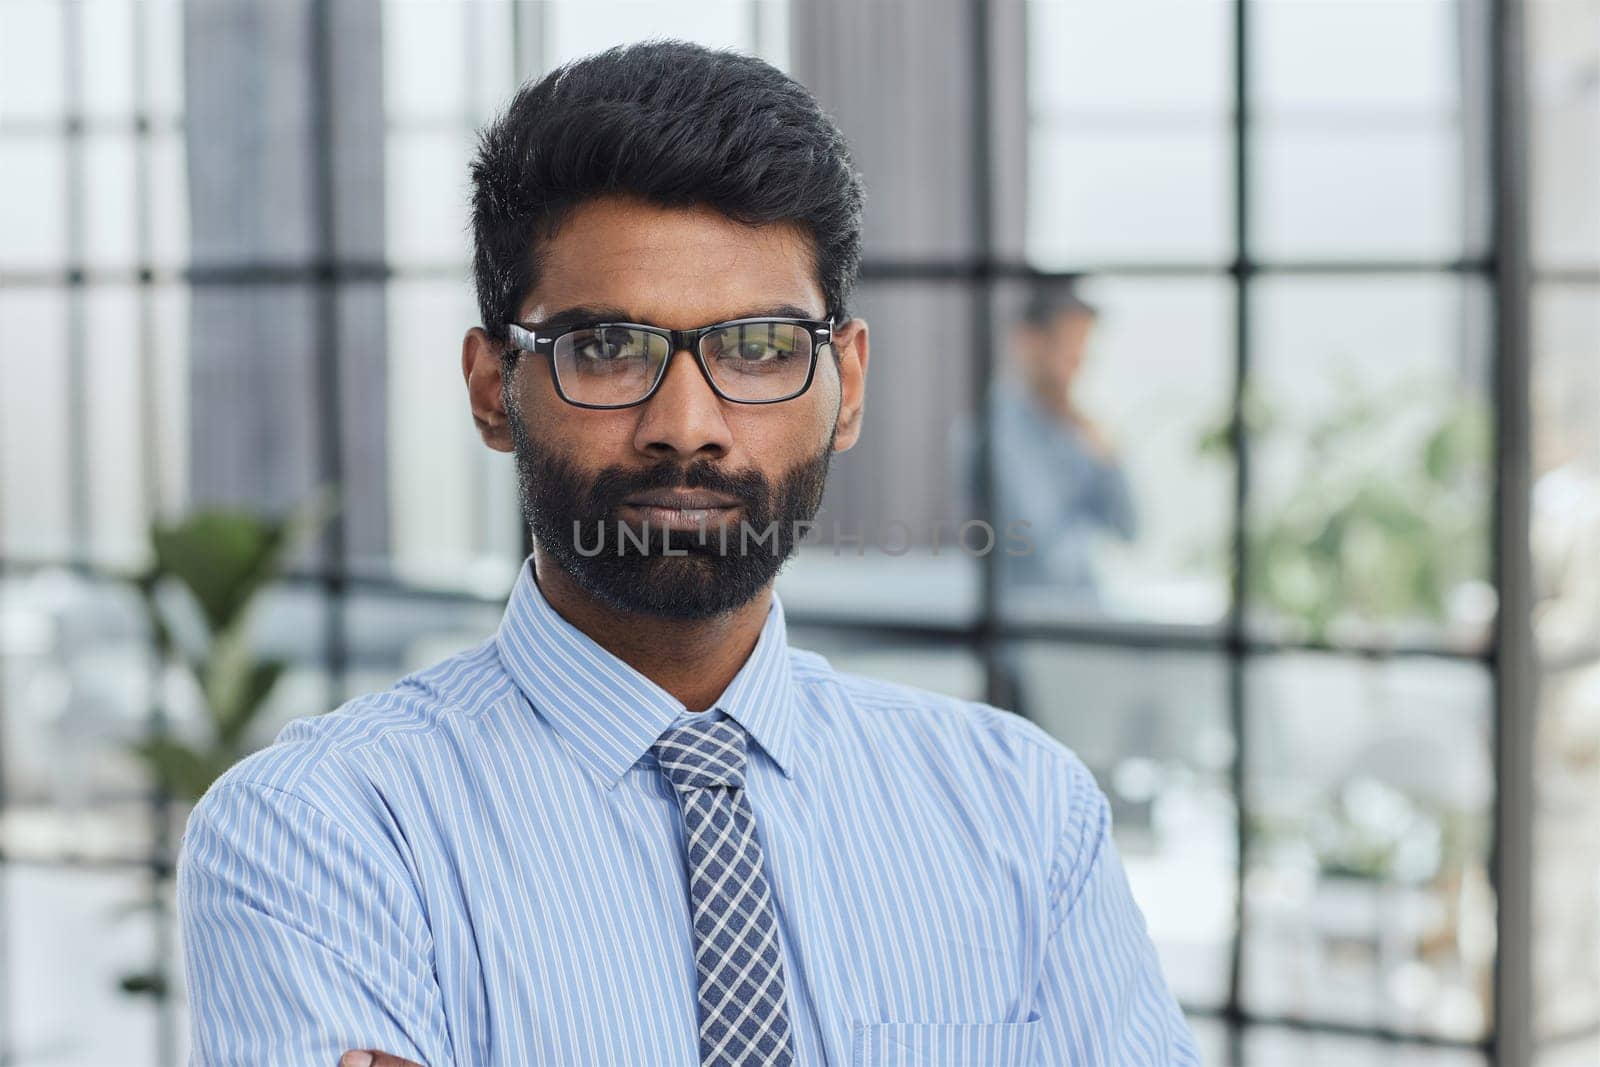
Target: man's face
{"x":679,"y":268}
{"x":1052,"y":355}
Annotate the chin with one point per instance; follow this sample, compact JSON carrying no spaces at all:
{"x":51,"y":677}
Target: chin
{"x":689,"y":587}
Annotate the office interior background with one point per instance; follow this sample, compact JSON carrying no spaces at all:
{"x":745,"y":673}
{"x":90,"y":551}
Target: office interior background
{"x":1342,"y":684}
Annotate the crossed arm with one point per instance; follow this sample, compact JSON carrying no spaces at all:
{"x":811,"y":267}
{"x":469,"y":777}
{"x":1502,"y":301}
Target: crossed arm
{"x":299,"y":943}
{"x":302,"y":946}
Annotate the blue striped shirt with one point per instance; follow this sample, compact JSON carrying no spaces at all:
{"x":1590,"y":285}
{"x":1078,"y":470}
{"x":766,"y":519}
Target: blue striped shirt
{"x":484,"y":865}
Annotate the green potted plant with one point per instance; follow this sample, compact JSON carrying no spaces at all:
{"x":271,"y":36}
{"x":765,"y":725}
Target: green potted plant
{"x":207,"y":570}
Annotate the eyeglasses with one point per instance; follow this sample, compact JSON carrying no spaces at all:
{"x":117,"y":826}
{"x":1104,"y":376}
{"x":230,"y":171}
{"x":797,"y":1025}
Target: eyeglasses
{"x":620,"y":364}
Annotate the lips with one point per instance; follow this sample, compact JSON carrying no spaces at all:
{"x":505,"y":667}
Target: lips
{"x":680,"y":500}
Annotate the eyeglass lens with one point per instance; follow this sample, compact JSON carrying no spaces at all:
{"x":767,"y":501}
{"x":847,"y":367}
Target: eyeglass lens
{"x":608,"y":365}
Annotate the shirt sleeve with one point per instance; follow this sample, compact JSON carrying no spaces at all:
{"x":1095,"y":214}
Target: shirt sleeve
{"x":1103,"y":1001}
{"x":299,"y":943}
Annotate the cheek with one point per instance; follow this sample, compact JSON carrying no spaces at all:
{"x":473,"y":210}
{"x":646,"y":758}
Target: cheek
{"x":571,"y":431}
{"x":823,"y":410}
{"x":776,"y":444}
{"x":827,"y":390}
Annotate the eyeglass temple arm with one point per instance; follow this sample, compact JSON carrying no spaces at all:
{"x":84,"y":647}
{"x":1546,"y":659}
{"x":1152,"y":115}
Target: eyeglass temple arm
{"x":521,"y":337}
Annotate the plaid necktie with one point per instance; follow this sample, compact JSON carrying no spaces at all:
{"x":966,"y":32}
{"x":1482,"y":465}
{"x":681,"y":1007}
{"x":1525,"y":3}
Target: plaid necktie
{"x":743,"y":1020}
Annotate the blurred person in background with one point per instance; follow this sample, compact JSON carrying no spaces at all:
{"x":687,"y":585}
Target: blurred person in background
{"x":1055,"y":467}
{"x":635,"y":826}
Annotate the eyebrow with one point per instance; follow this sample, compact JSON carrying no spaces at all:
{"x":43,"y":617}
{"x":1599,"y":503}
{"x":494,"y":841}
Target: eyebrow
{"x":584,"y":313}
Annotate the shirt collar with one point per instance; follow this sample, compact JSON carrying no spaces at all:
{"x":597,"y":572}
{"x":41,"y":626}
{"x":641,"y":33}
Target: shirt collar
{"x":609,"y":712}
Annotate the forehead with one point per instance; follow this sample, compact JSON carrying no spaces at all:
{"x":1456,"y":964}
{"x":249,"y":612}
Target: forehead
{"x":678,"y":267}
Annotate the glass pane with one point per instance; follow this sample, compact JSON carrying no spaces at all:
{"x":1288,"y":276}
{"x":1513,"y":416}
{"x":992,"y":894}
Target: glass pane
{"x":1566,"y":836}
{"x":1128,"y":156}
{"x":427,"y":196}
{"x":1368,"y":897}
{"x":1100,"y":448}
{"x":163,"y":35}
{"x":884,"y":546}
{"x":1371,"y":458}
{"x":447,"y":62}
{"x":120,"y":831}
{"x":255,"y":373}
{"x":32,"y":62}
{"x":1363,"y":142}
{"x":1564,"y":131}
{"x":1565,"y":541}
{"x":1566,"y":377}
{"x":1314,"y":54}
{"x":79,"y":681}
{"x":169,"y":201}
{"x":425,"y":56}
{"x":1579,"y":1051}
{"x":578,"y":28}
{"x":115,"y":375}
{"x":1376,"y":193}
{"x":1274,"y":1046}
{"x":36,"y":487}
{"x":251,"y":135}
{"x":110,"y":202}
{"x":105,"y":46}
{"x":290,"y":623}
{"x":1101,"y":56}
{"x":170,"y":366}
{"x":33,"y":213}
{"x":455,"y":519}
{"x":952,"y":670}
{"x":1154,"y":730}
{"x":363,"y":419}
{"x":1115,"y":195}
{"x":392,"y":633}
{"x":72,"y":935}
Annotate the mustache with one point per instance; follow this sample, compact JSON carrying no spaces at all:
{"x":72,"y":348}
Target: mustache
{"x":615,"y":484}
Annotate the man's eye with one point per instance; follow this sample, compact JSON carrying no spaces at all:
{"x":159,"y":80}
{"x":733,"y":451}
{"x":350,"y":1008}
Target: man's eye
{"x":759,"y":351}
{"x":608,"y":345}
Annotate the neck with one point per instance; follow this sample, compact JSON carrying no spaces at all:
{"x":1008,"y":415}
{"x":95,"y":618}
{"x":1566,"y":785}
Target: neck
{"x":1052,"y":397}
{"x":693,"y":659}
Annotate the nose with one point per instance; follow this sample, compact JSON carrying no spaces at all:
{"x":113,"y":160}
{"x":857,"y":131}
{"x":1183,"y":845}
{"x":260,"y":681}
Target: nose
{"x":684,"y":417}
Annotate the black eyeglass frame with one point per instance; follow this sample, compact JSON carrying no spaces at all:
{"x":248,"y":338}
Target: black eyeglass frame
{"x":526,"y":337}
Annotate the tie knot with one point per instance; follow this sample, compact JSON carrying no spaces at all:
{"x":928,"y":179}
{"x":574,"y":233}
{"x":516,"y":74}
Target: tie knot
{"x":701,"y":753}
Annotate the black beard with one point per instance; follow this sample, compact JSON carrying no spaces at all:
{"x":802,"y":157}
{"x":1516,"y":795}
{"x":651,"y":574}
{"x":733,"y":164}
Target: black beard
{"x":713,"y":576}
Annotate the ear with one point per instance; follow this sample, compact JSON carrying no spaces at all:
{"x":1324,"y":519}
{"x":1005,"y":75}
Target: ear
{"x":480,"y":366}
{"x":850,"y":341}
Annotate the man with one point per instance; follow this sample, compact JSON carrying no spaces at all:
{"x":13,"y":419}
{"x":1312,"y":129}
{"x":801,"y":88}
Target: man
{"x":1054,"y":466}
{"x":635,"y":826}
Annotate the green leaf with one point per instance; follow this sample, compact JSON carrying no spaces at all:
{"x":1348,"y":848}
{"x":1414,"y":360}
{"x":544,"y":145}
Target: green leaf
{"x":147,"y":983}
{"x":225,"y":557}
{"x":221,"y":557}
{"x":182,"y":771}
{"x":236,"y":686}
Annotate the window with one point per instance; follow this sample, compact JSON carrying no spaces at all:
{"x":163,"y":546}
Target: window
{"x":1290,"y":219}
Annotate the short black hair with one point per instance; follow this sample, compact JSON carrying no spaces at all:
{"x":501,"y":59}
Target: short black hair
{"x":1048,"y":297}
{"x":676,"y":124}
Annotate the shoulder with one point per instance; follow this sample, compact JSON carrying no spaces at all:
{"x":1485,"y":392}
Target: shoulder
{"x":886,"y":704}
{"x":1009,"y":759}
{"x":315,"y":760}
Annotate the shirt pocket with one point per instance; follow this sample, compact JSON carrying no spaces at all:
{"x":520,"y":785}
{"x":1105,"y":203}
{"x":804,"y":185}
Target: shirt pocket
{"x":945,"y":1044}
